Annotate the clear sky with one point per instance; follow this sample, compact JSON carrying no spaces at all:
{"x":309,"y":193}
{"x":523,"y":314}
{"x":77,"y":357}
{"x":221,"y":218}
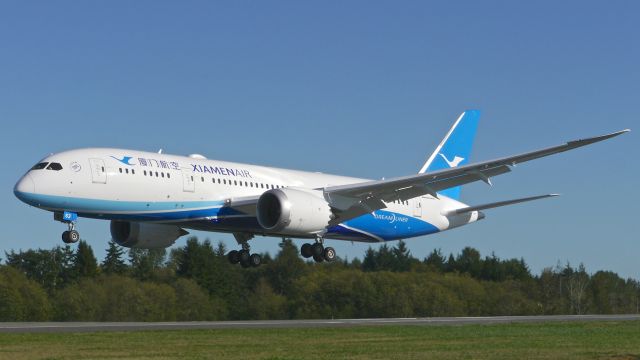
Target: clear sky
{"x":360,"y":88}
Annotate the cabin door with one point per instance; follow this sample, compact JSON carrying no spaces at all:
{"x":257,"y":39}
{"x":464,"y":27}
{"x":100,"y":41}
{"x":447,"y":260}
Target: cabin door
{"x":98,"y":172}
{"x":188,"y":184}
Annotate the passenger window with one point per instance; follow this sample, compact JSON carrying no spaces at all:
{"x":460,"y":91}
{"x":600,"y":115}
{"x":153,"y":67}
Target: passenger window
{"x":133,"y":171}
{"x":157,"y":175}
{"x":224,"y":181}
{"x":235,"y":183}
{"x":103,"y":169}
{"x":54,"y":166}
{"x":162,"y":174}
{"x":168,"y":175}
{"x":39,"y":166}
{"x":145,"y":172}
{"x":120,"y":170}
{"x":126,"y":171}
{"x":202,"y":179}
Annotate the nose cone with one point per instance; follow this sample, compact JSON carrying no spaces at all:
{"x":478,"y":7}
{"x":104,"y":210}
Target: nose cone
{"x":24,"y":186}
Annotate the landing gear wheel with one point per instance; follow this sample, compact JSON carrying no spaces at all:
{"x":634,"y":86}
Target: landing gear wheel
{"x":317,"y":250}
{"x":318,"y":258}
{"x":255,"y":260}
{"x":70,"y":236}
{"x":244,"y":257}
{"x":233,"y":257}
{"x":74,"y":236}
{"x":329,"y":254}
{"x":305,"y":251}
{"x":65,"y":237}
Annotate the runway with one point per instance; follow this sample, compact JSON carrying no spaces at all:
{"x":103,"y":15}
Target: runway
{"x":31,"y":327}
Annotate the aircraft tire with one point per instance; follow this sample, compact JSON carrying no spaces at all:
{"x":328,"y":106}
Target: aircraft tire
{"x":65,"y":237}
{"x":255,"y":260}
{"x":317,"y":250}
{"x":243,"y":256}
{"x":305,"y":250}
{"x":74,"y":236}
{"x":233,"y":257}
{"x":318,"y":259}
{"x":329,"y":254}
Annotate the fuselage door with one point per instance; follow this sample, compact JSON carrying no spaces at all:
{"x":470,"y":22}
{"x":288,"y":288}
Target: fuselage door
{"x":98,"y":172}
{"x":187,"y":181}
{"x":417,"y":207}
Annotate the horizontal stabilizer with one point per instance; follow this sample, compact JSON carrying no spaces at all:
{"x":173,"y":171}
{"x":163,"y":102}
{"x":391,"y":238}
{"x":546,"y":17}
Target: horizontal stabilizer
{"x":495,"y":205}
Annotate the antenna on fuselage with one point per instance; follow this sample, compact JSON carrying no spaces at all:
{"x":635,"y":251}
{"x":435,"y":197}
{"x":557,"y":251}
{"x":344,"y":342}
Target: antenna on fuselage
{"x":160,"y":151}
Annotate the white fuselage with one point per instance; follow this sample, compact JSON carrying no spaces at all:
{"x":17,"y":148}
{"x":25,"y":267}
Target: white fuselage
{"x":193,"y":192}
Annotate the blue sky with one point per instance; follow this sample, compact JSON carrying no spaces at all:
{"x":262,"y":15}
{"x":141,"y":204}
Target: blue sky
{"x":358,"y":88}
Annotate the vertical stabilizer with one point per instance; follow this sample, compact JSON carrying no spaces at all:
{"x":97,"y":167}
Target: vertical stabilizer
{"x":455,"y":148}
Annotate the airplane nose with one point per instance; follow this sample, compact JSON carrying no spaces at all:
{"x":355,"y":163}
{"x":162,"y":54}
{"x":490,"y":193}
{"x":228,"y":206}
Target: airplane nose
{"x":24,"y":186}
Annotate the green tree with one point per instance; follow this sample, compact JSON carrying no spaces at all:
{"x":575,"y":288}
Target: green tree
{"x":194,"y":304}
{"x":436,"y":260}
{"x":270,"y":305}
{"x":469,"y":262}
{"x":285,"y":268}
{"x":22,"y":299}
{"x":113,"y":262}
{"x":52,"y":269}
{"x":84,"y":262}
{"x":403,"y":258}
{"x":146,"y":262}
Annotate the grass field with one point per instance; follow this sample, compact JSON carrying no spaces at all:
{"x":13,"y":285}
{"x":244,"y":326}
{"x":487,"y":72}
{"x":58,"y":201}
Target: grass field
{"x":575,"y":340}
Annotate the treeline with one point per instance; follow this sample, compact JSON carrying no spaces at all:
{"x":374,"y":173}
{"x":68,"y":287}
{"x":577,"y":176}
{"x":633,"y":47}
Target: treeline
{"x":196,"y":282}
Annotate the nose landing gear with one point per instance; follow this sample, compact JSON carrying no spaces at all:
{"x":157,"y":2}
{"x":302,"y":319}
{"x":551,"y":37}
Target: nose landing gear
{"x":70,"y":236}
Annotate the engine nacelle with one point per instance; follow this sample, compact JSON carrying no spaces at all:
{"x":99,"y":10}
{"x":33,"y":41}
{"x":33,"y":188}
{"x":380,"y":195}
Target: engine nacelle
{"x":293,"y":211}
{"x":143,"y":235}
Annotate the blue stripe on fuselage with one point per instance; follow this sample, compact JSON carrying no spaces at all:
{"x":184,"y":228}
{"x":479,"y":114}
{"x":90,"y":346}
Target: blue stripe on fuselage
{"x":380,"y":225}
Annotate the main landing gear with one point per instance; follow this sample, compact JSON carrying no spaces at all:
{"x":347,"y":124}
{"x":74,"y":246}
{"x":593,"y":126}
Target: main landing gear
{"x":70,"y":236}
{"x":244,"y":257}
{"x":317,"y":251}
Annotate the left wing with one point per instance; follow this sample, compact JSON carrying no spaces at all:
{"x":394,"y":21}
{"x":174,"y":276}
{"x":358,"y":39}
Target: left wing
{"x":353,"y":200}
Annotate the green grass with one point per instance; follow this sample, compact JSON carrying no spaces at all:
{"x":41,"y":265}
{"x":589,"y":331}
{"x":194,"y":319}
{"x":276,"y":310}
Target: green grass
{"x":574,"y":340}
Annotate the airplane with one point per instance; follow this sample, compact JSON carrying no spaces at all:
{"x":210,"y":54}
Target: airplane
{"x":151,"y":199}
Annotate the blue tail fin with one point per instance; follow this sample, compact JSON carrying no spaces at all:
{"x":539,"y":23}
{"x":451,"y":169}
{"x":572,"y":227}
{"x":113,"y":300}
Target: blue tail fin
{"x":455,"y":148}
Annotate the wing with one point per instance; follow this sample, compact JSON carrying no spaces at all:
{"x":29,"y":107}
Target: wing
{"x":353,"y":200}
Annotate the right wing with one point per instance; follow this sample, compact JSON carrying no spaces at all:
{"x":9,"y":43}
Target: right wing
{"x":353,"y":200}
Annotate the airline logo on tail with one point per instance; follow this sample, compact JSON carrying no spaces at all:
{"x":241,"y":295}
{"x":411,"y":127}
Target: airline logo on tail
{"x":453,"y":163}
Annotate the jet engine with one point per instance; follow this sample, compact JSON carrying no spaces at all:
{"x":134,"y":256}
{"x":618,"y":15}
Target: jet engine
{"x":144,"y":235}
{"x":293,"y":211}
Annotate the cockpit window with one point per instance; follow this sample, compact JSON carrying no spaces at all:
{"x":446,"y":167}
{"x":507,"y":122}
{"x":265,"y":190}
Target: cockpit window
{"x":39,"y":166}
{"x":54,"y":166}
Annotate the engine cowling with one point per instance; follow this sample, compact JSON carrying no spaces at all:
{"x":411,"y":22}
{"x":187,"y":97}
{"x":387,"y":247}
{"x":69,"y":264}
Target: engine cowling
{"x":146,"y":236}
{"x":293,"y":211}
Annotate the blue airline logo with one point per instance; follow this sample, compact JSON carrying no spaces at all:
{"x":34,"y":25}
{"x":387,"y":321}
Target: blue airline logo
{"x":453,"y":163}
{"x":125,"y":160}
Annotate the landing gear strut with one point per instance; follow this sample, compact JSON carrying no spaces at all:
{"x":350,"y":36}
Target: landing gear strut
{"x":317,"y":251}
{"x":70,"y":236}
{"x":244,"y":257}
